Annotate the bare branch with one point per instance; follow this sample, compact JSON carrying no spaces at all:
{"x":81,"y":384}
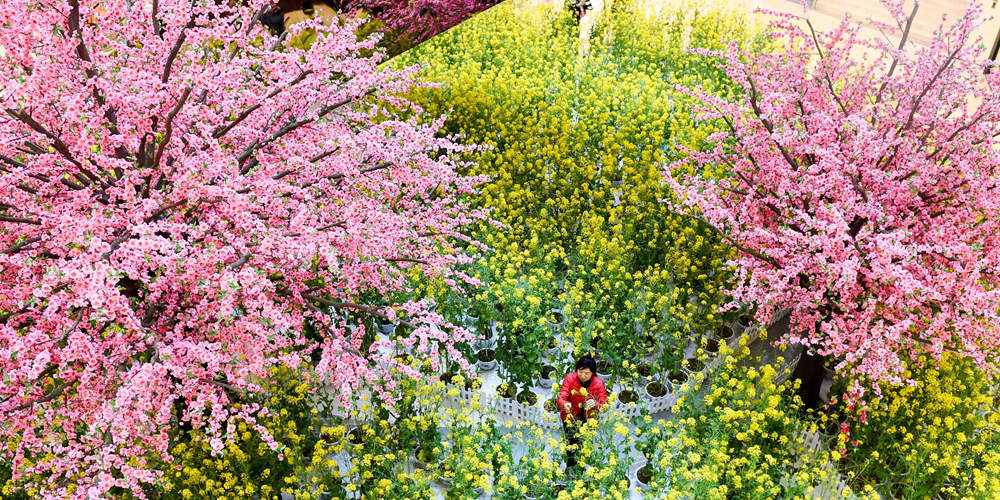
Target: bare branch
{"x":224,"y":385}
{"x":222,"y":130}
{"x":235,"y":266}
{"x":826,"y":76}
{"x":55,"y":393}
{"x":116,"y":243}
{"x":57,"y":143}
{"x":12,"y":162}
{"x":407,"y":259}
{"x":768,"y":125}
{"x":19,"y":220}
{"x":170,"y":126}
{"x":895,"y":59}
{"x":351,"y":305}
{"x":175,"y":50}
{"x":293,"y":125}
{"x":164,"y":209}
{"x":927,"y":88}
{"x":20,"y":246}
{"x":157,"y":29}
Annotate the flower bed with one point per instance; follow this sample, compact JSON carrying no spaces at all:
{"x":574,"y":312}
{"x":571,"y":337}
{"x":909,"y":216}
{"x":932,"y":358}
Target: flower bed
{"x":574,"y":149}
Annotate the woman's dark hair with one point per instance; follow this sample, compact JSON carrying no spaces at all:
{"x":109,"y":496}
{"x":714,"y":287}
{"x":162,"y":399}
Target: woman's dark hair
{"x":587,"y":361}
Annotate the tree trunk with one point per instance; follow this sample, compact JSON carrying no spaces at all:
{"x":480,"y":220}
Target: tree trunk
{"x":810,"y":372}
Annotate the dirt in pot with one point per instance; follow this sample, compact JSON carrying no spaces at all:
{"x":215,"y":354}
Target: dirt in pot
{"x":486,"y":355}
{"x":644,"y":474}
{"x":603,"y":367}
{"x":645,"y":369}
{"x":724,"y":332}
{"x":527,"y":398}
{"x":356,"y":436}
{"x":557,"y":317}
{"x":473,"y":384}
{"x":656,"y":389}
{"x":548,"y":371}
{"x":712,"y":346}
{"x":627,"y":396}
{"x":425,"y":455}
{"x":677,"y":377}
{"x":693,"y":365}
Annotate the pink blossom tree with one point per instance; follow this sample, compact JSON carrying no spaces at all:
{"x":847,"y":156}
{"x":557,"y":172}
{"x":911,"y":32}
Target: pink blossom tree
{"x":423,"y":19}
{"x":863,"y":191}
{"x":180,"y":193}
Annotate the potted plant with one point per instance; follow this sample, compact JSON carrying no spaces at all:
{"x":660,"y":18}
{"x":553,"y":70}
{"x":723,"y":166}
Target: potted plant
{"x":743,"y":322}
{"x":462,"y":468}
{"x":520,"y":359}
{"x":486,"y":360}
{"x":506,"y":391}
{"x":656,"y":390}
{"x":692,"y":365}
{"x":556,"y":320}
{"x":676,"y":379}
{"x":551,"y":405}
{"x":527,"y":397}
{"x":548,"y":375}
{"x":711,"y":346}
{"x":553,"y":347}
{"x":645,"y":371}
{"x":650,"y":348}
{"x":485,"y":340}
{"x":725,"y":333}
{"x":649,"y":435}
{"x":627,"y":396}
{"x":604,"y":369}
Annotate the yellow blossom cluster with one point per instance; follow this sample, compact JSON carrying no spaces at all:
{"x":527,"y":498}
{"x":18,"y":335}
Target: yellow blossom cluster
{"x":939,"y":437}
{"x":247,"y":467}
{"x":574,"y":151}
{"x":740,"y":439}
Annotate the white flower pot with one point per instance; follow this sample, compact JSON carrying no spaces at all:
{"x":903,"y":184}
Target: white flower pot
{"x":634,"y":474}
{"x":649,"y":397}
{"x":486,"y":365}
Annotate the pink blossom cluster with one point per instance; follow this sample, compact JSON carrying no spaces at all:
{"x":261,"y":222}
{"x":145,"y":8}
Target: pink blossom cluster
{"x":179,"y":194}
{"x":862,"y":191}
{"x":421,"y":19}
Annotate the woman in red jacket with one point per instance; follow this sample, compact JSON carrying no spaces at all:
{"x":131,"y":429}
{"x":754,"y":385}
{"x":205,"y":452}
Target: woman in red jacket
{"x":582,"y":395}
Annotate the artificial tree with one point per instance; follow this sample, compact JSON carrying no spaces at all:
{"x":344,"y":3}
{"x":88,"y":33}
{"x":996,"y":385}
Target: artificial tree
{"x":180,"y":193}
{"x":862,"y":192}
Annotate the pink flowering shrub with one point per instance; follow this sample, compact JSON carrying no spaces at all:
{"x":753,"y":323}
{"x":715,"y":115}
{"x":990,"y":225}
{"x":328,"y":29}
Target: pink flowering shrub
{"x":423,"y":19}
{"x":863,"y":191}
{"x":180,"y":194}
{"x":413,"y":21}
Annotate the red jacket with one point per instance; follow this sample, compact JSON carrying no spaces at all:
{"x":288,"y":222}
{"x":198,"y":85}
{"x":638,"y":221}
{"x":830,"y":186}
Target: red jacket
{"x":570,"y":392}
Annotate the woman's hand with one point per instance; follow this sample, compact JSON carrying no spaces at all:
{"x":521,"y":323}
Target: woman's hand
{"x":590,"y":404}
{"x":568,"y":407}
